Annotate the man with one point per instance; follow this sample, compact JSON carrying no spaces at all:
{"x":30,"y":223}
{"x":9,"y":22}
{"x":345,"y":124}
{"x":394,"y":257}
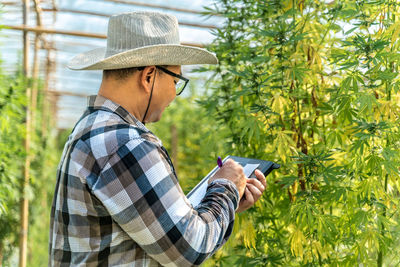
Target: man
{"x":117,"y":200}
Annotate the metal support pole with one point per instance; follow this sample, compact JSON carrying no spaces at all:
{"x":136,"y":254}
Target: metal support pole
{"x":23,"y":242}
{"x":25,"y":18}
{"x":36,"y":66}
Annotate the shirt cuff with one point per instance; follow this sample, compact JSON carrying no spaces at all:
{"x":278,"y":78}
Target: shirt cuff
{"x":230,"y":190}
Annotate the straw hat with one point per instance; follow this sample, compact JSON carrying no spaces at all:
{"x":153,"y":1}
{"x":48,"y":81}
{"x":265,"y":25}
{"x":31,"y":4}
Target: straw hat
{"x":141,"y":39}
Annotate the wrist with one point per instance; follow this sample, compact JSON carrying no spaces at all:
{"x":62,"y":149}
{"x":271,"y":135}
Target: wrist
{"x":229,"y":185}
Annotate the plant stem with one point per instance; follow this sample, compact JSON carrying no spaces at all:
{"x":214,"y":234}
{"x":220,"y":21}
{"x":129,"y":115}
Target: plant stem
{"x":388,"y":98}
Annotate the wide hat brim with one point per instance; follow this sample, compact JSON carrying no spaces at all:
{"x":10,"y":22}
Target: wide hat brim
{"x":161,"y":54}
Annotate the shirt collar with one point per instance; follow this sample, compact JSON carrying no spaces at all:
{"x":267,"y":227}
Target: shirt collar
{"x":101,"y":102}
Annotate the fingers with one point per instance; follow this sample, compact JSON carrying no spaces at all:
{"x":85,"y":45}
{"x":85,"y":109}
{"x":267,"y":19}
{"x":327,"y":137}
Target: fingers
{"x":260,"y":176}
{"x":230,"y":163}
{"x":233,"y":164}
{"x":254,"y":191}
{"x":256,"y":183}
{"x":249,"y":196}
{"x":232,"y":171}
{"x":246,"y":202}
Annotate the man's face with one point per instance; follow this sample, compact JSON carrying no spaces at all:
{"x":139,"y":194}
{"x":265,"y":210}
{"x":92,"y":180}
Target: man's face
{"x":164,"y":93}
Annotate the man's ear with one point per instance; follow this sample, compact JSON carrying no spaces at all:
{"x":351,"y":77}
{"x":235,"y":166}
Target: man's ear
{"x":147,"y":78}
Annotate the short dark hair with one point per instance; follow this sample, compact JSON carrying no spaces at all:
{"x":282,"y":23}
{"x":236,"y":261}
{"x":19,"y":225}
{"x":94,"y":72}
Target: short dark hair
{"x":122,"y":74}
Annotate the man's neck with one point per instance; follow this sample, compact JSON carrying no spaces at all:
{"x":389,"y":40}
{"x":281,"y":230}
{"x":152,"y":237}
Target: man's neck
{"x":127,"y":96}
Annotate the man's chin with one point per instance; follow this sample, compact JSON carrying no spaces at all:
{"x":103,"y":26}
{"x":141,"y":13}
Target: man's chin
{"x":154,"y":119}
{"x":157,"y":119}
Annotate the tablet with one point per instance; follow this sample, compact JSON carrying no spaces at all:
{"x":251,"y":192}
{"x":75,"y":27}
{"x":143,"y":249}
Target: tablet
{"x":249,"y":166}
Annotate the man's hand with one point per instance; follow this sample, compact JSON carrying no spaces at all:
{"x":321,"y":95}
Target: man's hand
{"x":254,"y":189}
{"x":232,"y":171}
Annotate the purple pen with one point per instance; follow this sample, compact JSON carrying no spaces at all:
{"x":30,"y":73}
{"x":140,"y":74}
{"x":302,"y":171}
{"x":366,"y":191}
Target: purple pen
{"x":219,"y":161}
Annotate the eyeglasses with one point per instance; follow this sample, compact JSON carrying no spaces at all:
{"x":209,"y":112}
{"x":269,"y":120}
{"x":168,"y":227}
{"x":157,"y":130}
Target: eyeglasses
{"x":180,"y":84}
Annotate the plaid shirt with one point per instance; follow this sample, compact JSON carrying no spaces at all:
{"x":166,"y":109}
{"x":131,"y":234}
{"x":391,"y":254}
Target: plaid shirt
{"x":118,"y":202}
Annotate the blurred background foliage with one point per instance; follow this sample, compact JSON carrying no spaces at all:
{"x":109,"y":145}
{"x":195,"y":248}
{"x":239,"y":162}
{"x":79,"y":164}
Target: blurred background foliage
{"x":12,"y":131}
{"x":312,"y":85}
{"x":44,"y":154}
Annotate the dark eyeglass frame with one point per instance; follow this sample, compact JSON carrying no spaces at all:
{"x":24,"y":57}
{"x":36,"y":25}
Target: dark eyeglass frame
{"x":186,"y":80}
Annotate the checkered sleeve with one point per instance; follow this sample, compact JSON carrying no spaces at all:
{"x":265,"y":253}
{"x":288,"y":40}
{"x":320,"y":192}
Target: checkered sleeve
{"x":139,"y":189}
